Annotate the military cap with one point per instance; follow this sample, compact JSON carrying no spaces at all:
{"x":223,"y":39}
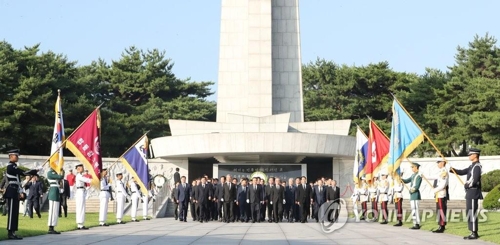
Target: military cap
{"x":474,"y":151}
{"x":14,"y":152}
{"x":438,"y":160}
{"x":78,"y":165}
{"x":104,"y":169}
{"x":117,"y":174}
{"x":415,"y":164}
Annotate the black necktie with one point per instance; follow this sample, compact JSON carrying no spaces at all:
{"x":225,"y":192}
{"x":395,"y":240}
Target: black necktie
{"x":255,"y":187}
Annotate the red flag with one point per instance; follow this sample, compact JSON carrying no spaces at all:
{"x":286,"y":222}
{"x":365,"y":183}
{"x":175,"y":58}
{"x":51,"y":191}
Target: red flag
{"x":378,"y":151}
{"x":85,"y":144}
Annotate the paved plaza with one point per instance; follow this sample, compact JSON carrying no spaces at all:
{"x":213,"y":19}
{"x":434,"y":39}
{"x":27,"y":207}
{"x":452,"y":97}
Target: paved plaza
{"x":170,"y":231}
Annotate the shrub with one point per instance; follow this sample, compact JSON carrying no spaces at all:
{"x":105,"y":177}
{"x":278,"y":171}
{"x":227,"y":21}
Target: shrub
{"x":490,"y":180}
{"x":491,"y":200}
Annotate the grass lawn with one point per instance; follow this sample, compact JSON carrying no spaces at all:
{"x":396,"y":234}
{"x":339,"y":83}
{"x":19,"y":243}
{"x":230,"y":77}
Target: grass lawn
{"x":36,"y":226}
{"x":488,"y":229}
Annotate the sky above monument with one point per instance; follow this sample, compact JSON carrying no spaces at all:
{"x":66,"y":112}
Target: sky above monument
{"x":409,"y":35}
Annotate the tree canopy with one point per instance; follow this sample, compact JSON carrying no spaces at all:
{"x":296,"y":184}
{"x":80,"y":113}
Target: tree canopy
{"x":457,"y":108}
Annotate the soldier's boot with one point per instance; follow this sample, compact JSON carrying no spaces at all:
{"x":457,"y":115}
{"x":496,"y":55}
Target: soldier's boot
{"x":52,"y":231}
{"x":399,"y":223}
{"x":472,"y":236}
{"x":439,"y":230}
{"x":12,"y":236}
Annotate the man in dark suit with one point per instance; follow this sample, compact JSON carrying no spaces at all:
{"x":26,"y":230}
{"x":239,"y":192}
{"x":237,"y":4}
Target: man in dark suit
{"x":219,"y":193}
{"x":319,"y":197}
{"x":204,"y":195}
{"x":175,"y":199}
{"x":177,"y":176}
{"x":333,"y":195}
{"x":183,"y":199}
{"x":242,"y":201}
{"x":35,"y":193}
{"x":64,"y":196}
{"x":193,"y":188}
{"x":214,"y":211}
{"x":229,"y":198}
{"x":277,"y":197}
{"x":302,"y":198}
{"x":290,"y":201}
{"x":254,"y":198}
{"x":263,"y":205}
{"x":269,"y":189}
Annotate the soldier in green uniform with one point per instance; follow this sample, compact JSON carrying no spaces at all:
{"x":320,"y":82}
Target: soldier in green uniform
{"x":415,"y":180}
{"x":54,"y":198}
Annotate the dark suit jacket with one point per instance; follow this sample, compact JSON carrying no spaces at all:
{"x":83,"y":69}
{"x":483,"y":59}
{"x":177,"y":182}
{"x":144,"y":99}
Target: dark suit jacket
{"x":218,"y":191}
{"x":203,"y":194}
{"x":242,"y":195}
{"x":35,"y":190}
{"x":66,"y":191}
{"x":175,"y":195}
{"x":333,"y":194}
{"x":183,"y":193}
{"x":255,"y":196}
{"x":320,"y":197}
{"x":277,"y":196}
{"x":303,"y":196}
{"x":177,"y":177}
{"x":229,"y":194}
{"x":290,"y":194}
{"x":193,"y":192}
{"x":268,"y":190}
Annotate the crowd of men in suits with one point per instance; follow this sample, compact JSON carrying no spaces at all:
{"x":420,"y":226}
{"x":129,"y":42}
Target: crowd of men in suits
{"x":248,"y":200}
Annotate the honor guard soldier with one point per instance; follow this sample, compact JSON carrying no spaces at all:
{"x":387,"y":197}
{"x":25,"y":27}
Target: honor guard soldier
{"x":134,"y":188}
{"x":104,"y":196}
{"x":54,"y":198}
{"x":473,"y":190}
{"x":363,"y":198}
{"x":383,"y":190}
{"x":121,"y":195}
{"x":374,"y":198}
{"x":441,"y":192}
{"x":397,"y":195}
{"x":415,"y":180}
{"x":80,"y":196}
{"x":355,"y":200}
{"x":13,"y":193}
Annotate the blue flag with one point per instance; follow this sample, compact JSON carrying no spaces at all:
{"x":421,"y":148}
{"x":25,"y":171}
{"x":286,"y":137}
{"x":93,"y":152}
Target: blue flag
{"x":361,"y":153}
{"x":136,"y":162}
{"x":406,"y":135}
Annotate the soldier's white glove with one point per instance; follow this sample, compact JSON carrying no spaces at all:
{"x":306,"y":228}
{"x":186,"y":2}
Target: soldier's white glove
{"x":222,"y":199}
{"x":248,"y":201}
{"x":271,"y":202}
{"x":284,"y":201}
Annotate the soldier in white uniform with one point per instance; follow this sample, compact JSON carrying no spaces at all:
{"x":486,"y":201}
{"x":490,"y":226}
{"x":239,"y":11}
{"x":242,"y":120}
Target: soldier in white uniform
{"x":355,"y":200}
{"x":121,"y":195}
{"x":104,"y":196}
{"x":363,"y":198}
{"x":134,"y":187}
{"x":383,"y":191}
{"x":441,"y":193}
{"x":397,"y":195}
{"x":145,"y":199}
{"x":80,"y":197}
{"x":374,"y":198}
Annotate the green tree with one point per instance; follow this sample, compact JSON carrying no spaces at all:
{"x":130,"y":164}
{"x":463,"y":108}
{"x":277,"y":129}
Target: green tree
{"x":465,"y":111}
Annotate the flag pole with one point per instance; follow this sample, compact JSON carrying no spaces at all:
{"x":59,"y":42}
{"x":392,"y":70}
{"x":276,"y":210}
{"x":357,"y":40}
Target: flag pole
{"x":66,"y":139}
{"x":427,"y":137}
{"x":118,"y":159}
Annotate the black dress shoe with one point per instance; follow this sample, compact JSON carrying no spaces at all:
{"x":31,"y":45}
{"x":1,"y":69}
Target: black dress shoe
{"x":14,"y":237}
{"x":53,"y":232}
{"x":472,"y":236}
{"x":399,"y":223}
{"x":384,"y":222}
{"x":439,"y":230}
{"x":104,"y":224}
{"x":83,"y":228}
{"x":415,"y":227}
{"x":185,"y":220}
